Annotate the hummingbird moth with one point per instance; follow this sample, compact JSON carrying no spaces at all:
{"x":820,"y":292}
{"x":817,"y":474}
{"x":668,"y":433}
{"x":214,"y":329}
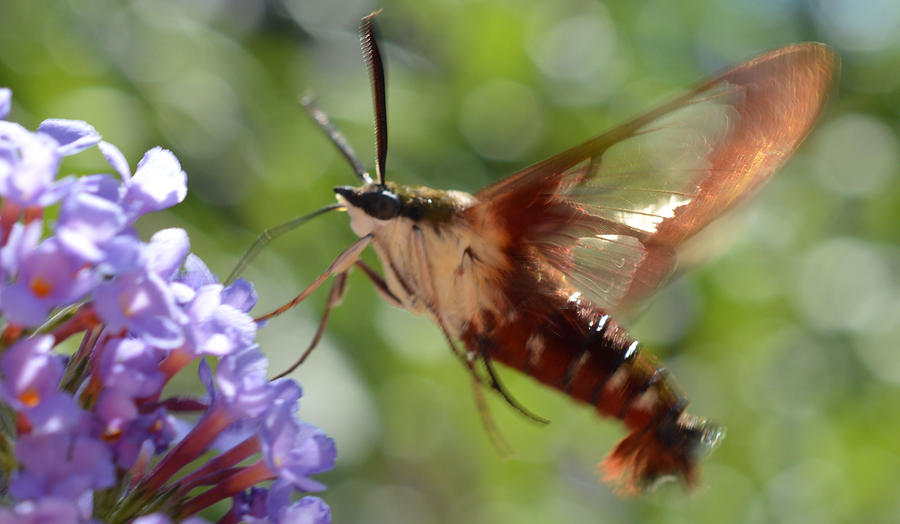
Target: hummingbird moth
{"x":531,"y":271}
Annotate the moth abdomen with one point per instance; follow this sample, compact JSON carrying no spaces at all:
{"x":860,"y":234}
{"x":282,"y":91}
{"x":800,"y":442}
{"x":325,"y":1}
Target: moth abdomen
{"x":570,"y":345}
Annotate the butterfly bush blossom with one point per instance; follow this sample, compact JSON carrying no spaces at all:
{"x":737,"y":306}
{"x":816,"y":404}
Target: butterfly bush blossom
{"x":91,"y":437}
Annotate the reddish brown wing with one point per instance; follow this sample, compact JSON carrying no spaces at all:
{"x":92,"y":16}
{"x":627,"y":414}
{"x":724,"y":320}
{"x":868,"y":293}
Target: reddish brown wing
{"x":609,"y":214}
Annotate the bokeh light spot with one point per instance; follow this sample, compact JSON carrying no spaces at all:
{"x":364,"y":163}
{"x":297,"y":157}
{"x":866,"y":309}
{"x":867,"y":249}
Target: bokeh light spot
{"x":860,"y":26}
{"x":878,"y":347}
{"x":575,"y":48}
{"x":843,"y":284}
{"x":856,"y":154}
{"x":501,"y":120}
{"x":322,"y":17}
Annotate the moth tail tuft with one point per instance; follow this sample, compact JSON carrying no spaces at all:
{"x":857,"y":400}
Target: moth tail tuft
{"x":664,"y":450}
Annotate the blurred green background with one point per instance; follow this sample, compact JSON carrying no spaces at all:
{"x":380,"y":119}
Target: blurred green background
{"x":790,"y":338}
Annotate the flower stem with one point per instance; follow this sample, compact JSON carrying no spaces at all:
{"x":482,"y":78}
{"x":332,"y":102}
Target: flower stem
{"x":226,"y":460}
{"x":10,"y":334}
{"x":236,"y":483}
{"x":191,"y":447}
{"x":174,"y":362}
{"x":9,"y":215}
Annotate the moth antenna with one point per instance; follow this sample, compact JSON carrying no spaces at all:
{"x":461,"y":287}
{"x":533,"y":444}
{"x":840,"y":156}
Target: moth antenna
{"x":308,"y":101}
{"x":372,"y":56}
{"x":271,"y":234}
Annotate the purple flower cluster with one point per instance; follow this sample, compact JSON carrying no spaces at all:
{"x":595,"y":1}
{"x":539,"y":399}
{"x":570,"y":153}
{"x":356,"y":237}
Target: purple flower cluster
{"x":91,"y":437}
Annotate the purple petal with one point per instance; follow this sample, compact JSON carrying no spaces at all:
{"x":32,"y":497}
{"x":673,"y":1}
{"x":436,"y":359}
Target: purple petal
{"x":196,"y":274}
{"x":305,"y":483}
{"x":204,"y":372}
{"x":28,"y":164}
{"x":241,"y":295}
{"x":60,"y":412}
{"x":295,"y":450}
{"x":73,"y":136}
{"x":308,"y":510}
{"x":22,"y":307}
{"x":115,"y":407}
{"x":86,"y":222}
{"x":5,"y":101}
{"x":156,"y":518}
{"x":236,"y":433}
{"x":142,"y":302}
{"x":55,"y":192}
{"x":252,"y":504}
{"x":133,"y":365}
{"x":157,"y":184}
{"x":279,"y":497}
{"x":30,"y":364}
{"x":159,"y":331}
{"x":206,"y":301}
{"x":47,"y":510}
{"x":116,"y":159}
{"x":23,"y":240}
{"x":166,"y":252}
{"x":182,"y":292}
{"x":215,"y":328}
{"x":59,"y":464}
{"x":92,"y":456}
{"x":124,"y":253}
{"x":48,"y":277}
{"x":286,"y":391}
{"x":242,"y":383}
{"x":238,"y":326}
{"x":104,"y":186}
{"x":317,"y":451}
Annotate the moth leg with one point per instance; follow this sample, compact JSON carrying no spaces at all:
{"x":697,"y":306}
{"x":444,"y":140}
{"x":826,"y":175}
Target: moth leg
{"x":335,"y":296}
{"x":340,"y":265}
{"x":497,"y":386}
{"x":380,"y":285}
{"x":494,"y":434}
{"x":490,"y":426}
{"x":469,"y":259}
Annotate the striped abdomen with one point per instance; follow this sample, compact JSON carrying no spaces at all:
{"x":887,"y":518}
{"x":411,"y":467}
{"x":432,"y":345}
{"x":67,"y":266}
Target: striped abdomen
{"x":570,"y":345}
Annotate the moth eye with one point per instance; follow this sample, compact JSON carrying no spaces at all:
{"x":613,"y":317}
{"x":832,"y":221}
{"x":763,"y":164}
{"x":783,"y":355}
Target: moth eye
{"x":383,"y":205}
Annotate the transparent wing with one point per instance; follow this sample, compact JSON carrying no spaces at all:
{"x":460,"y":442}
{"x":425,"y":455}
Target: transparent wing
{"x":609,"y":214}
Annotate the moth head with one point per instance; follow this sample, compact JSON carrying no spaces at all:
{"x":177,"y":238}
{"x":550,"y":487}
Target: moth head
{"x":375,"y":200}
